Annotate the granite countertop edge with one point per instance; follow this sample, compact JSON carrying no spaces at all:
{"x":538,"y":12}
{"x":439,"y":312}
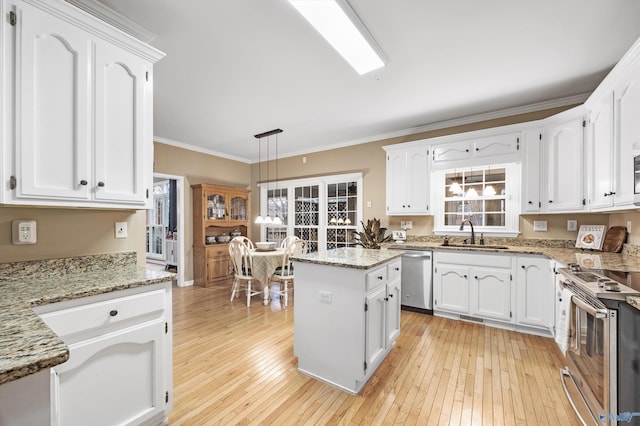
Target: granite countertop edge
{"x":27,"y":344}
{"x":349,"y":257}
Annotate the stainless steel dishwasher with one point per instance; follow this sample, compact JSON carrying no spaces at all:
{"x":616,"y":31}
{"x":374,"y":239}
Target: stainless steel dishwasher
{"x":416,"y":287}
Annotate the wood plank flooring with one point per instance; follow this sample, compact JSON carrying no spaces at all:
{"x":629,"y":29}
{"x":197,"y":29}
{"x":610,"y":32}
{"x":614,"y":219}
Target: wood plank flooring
{"x":235,"y":365}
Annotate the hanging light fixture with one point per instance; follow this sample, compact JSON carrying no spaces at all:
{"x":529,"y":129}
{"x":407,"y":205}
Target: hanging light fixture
{"x":488,"y":189}
{"x":267,"y":220}
{"x":471,"y":192}
{"x":276,"y":218}
{"x":455,"y":187}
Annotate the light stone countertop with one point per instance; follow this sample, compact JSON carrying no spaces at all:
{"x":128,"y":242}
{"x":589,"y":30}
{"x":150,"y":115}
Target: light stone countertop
{"x":27,"y":344}
{"x":349,"y":257}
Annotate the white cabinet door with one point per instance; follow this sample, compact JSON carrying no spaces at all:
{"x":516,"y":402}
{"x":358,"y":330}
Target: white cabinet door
{"x":451,"y":288}
{"x":534,"y":292}
{"x":492,"y":146}
{"x":627,"y":135}
{"x":601,"y":143}
{"x":565,"y":163}
{"x":452,"y":151}
{"x":375,"y":334}
{"x":116,"y":378}
{"x":53,"y":137}
{"x":120,"y":134}
{"x":408,"y":181}
{"x":491,"y":293}
{"x":531,"y":184}
{"x":393,"y":312}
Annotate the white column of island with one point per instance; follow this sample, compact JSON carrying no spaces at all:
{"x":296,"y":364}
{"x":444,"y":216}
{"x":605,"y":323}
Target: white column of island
{"x":346,"y":313}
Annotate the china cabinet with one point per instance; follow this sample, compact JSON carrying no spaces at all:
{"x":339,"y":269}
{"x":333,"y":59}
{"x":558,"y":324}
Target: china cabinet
{"x":217,"y":210}
{"x":79,"y":121}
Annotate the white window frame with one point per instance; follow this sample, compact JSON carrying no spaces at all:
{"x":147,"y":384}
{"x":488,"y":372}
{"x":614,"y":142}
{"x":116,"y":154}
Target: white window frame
{"x":512,"y":207}
{"x":322,"y":182}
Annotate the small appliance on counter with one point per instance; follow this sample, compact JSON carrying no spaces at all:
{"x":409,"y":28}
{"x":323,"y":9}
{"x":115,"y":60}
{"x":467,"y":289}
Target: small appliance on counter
{"x":399,"y":237}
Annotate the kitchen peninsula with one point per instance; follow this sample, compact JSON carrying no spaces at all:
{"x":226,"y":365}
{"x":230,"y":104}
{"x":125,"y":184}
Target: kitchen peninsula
{"x":346,"y":314}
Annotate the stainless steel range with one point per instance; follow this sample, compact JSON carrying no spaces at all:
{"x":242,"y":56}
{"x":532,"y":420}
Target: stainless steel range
{"x":589,"y":337}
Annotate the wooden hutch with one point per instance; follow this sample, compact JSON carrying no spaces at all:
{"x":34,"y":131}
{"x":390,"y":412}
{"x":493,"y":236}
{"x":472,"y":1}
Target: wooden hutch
{"x":216,"y":210}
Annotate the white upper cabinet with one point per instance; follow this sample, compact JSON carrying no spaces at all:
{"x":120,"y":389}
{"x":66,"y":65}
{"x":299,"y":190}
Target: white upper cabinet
{"x":531,"y":186}
{"x":407,"y":180}
{"x":563,"y":155}
{"x":490,"y":147}
{"x":614,"y":135}
{"x":602,"y":153}
{"x":453,"y":151}
{"x":82,"y":109}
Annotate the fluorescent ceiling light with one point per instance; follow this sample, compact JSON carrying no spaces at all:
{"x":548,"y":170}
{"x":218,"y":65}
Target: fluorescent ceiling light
{"x":337,"y":22}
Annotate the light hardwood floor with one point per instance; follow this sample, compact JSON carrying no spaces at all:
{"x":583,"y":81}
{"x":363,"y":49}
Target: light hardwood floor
{"x":235,"y":365}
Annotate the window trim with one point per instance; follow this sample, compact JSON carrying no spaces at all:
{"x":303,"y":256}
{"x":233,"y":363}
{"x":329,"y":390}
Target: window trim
{"x":512,"y":208}
{"x":322,"y":182}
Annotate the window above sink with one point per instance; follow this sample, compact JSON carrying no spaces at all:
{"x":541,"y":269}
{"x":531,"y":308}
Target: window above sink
{"x":487,"y":195}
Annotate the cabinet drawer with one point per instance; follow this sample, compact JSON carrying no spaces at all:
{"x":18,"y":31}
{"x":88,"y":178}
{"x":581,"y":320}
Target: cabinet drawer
{"x":394,"y":270}
{"x":376,"y":278}
{"x":86,"y":317}
{"x":218,"y":251}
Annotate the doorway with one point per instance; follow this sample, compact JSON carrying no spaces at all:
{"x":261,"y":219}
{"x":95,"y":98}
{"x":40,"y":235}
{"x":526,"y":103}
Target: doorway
{"x":165,"y":226}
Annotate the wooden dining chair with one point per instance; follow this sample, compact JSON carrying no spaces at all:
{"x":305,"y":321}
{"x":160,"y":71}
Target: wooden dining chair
{"x":245,"y":240}
{"x":242,"y":262}
{"x":284,"y":273}
{"x":288,"y":240}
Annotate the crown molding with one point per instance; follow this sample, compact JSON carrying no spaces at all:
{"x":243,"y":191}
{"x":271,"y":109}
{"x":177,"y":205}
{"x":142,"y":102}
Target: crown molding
{"x":110,"y":16}
{"x":194,"y":148}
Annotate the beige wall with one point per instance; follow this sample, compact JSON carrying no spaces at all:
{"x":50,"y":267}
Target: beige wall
{"x":72,"y":232}
{"x":197,"y":168}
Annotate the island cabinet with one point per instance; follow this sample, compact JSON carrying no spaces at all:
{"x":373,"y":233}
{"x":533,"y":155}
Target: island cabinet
{"x":78,"y":115}
{"x":346,"y":314}
{"x":119,"y":367}
{"x":217,"y":210}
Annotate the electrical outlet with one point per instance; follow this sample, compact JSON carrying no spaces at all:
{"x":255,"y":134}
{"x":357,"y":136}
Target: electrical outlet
{"x":368,"y":203}
{"x":325,"y":296}
{"x":629,"y":226}
{"x":121,"y":229}
{"x":539,"y":225}
{"x":572,"y":225}
{"x":408,"y":224}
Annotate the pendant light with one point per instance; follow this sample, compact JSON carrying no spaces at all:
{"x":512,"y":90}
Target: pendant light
{"x":267,"y":220}
{"x":471,"y":192}
{"x":455,"y":187}
{"x":488,"y":189}
{"x":276,"y":218}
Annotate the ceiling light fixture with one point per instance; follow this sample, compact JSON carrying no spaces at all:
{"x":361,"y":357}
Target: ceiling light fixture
{"x":267,"y":220}
{"x":339,"y":24}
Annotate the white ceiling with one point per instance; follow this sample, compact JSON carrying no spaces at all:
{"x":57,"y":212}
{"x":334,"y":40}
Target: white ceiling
{"x":235,"y":68}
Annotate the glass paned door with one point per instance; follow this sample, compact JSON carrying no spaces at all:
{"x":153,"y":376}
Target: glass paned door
{"x":342,"y":205}
{"x":238,"y":208}
{"x":307,"y":215}
{"x":158,"y":221}
{"x":277,"y":206}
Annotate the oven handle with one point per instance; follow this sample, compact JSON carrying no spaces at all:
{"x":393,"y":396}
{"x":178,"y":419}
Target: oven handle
{"x":598,"y":313}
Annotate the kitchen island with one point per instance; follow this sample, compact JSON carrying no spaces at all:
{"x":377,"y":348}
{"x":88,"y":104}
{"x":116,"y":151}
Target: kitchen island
{"x":346,"y":313}
{"x":64,"y":319}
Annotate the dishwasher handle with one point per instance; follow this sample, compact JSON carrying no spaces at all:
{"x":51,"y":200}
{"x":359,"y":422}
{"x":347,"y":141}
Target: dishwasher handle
{"x":417,"y":255}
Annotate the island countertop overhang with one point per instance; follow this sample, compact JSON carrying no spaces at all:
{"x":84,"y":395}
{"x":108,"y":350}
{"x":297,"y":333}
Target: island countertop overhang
{"x":349,"y":257}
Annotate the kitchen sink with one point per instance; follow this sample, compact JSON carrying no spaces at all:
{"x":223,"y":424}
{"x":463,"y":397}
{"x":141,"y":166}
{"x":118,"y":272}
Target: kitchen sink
{"x":476,"y":246}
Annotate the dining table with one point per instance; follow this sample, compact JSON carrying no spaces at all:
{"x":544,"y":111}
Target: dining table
{"x":264,"y":264}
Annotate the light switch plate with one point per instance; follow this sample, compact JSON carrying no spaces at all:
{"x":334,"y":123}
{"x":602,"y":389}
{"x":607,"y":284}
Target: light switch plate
{"x":539,"y":225}
{"x":572,"y":225}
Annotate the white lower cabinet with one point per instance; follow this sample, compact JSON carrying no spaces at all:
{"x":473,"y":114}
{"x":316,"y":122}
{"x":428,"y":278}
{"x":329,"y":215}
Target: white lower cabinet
{"x":503,"y":290}
{"x":346,"y":321}
{"x":534,"y":288}
{"x":119,"y":367}
{"x":491,"y":293}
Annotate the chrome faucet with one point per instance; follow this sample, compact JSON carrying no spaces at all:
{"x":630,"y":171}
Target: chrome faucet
{"x":473,"y":233}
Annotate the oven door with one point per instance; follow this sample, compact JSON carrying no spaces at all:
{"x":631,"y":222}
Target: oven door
{"x":591,"y":358}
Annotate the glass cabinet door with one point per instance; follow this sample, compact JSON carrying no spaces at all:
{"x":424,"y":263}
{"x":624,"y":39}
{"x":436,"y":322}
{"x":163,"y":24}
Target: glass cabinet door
{"x":238,"y":207}
{"x":217,"y":206}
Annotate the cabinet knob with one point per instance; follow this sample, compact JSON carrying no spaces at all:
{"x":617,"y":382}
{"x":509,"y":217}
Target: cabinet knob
{"x":475,"y":277}
{"x":530,"y":202}
{"x":465,"y":276}
{"x":380,"y":277}
{"x":551,"y":201}
{"x":100,"y":184}
{"x":606,"y":195}
{"x":83,"y":182}
{"x":522,"y":266}
{"x":397,"y":269}
{"x":113,"y":313}
{"x":466,"y":150}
